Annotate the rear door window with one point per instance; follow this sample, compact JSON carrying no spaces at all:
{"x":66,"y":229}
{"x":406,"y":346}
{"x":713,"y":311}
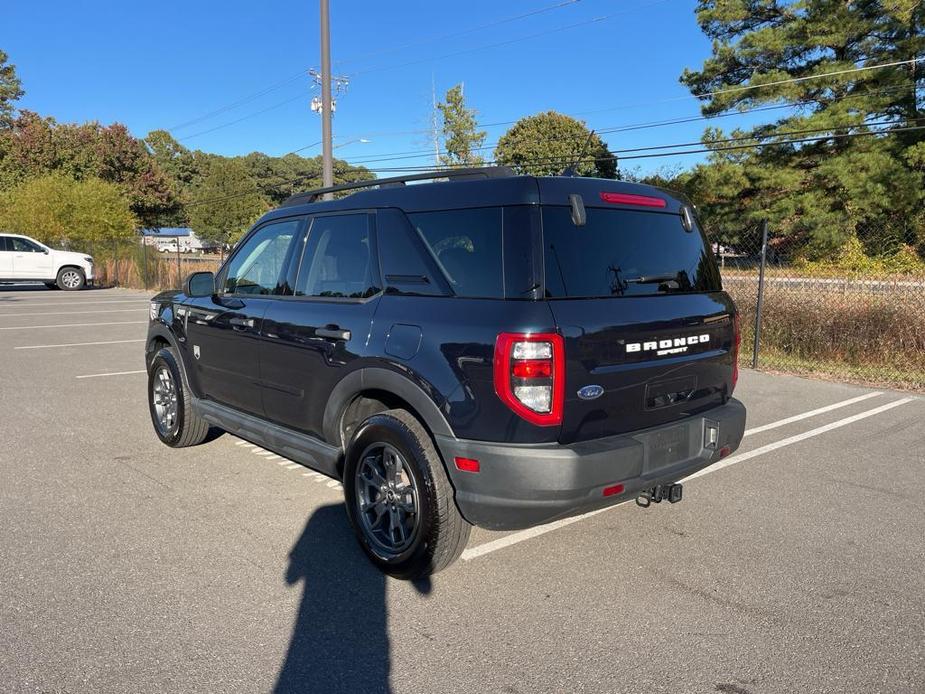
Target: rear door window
{"x":624,"y":253}
{"x":339,"y":259}
{"x":466,"y":244}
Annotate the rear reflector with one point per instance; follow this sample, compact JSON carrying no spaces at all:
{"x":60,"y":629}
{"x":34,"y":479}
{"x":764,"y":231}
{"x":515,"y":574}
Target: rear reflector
{"x":613,"y":489}
{"x":631,"y":199}
{"x":724,"y":451}
{"x":532,"y":368}
{"x":467,"y":464}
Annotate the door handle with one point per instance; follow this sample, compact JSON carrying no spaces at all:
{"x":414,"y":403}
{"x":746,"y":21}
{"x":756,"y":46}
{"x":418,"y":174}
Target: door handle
{"x":241,"y":322}
{"x":333,"y":333}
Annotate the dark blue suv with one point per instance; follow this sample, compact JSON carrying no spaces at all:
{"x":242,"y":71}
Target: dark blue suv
{"x":486,"y":349}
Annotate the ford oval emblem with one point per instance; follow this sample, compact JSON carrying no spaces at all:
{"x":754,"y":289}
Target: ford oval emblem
{"x":590,"y":392}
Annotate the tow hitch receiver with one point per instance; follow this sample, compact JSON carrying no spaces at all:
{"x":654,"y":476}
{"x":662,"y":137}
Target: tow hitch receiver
{"x":670,"y":492}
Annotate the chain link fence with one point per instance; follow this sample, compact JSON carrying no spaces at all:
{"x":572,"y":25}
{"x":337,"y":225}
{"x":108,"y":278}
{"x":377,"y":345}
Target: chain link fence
{"x":131,"y":263}
{"x":852,"y":316}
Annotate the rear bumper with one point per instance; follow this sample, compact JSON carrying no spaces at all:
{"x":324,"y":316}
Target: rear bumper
{"x":519,"y":486}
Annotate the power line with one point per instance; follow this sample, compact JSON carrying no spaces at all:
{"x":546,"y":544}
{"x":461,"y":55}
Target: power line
{"x":416,"y":154}
{"x":508,"y":42}
{"x":266,"y":90}
{"x":239,"y":102}
{"x":242,"y":118}
{"x":444,"y":37}
{"x":695,"y":96}
{"x":754,"y":145}
{"x":884,"y":132}
{"x":718,"y":92}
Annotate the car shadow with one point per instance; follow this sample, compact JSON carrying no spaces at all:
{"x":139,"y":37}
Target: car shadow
{"x":340,"y":641}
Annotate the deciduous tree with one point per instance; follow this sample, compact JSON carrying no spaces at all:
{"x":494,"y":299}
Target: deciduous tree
{"x":36,"y":146}
{"x":10,"y":90}
{"x":227,"y":202}
{"x":547,"y":143}
{"x":61,"y":211}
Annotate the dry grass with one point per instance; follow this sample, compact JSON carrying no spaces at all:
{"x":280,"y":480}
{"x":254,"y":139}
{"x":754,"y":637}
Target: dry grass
{"x":152,"y":272}
{"x":874,"y":337}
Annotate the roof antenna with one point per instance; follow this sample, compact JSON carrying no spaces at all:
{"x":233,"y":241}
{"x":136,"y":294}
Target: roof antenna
{"x":572,"y":169}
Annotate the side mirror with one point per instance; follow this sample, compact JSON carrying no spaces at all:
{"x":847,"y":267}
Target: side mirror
{"x":45,"y":251}
{"x":199,"y":284}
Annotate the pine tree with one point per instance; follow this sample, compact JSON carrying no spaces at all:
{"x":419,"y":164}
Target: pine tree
{"x":806,"y":53}
{"x":461,"y":138}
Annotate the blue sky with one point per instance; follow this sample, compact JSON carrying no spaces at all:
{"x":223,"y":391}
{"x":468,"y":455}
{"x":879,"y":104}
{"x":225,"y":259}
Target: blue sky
{"x":167,"y":63}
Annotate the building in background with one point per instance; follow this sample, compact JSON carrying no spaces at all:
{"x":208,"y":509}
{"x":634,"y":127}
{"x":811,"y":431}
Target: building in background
{"x":177,"y":239}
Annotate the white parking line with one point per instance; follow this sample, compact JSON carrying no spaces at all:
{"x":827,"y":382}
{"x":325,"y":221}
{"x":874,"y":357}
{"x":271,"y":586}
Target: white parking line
{"x":71,"y":313}
{"x":113,"y":373}
{"x":812,"y":413}
{"x":522,"y":535}
{"x":748,"y":455}
{"x":79,"y":344}
{"x":71,"y":325}
{"x":72,"y":302}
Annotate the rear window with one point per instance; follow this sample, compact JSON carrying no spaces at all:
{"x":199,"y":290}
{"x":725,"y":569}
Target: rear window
{"x":467,"y":246}
{"x":624,"y":253}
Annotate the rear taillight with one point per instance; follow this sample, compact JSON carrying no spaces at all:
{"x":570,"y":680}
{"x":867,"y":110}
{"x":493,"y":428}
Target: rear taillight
{"x":530,"y":375}
{"x":737,"y":340}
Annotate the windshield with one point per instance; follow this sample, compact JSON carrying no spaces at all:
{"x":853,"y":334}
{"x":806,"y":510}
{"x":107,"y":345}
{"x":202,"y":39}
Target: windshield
{"x":624,"y":253}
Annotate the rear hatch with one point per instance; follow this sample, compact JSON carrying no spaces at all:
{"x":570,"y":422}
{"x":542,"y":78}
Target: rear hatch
{"x":635,"y":292}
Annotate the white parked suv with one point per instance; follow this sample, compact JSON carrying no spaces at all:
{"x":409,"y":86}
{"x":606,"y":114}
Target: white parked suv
{"x":23,"y":259}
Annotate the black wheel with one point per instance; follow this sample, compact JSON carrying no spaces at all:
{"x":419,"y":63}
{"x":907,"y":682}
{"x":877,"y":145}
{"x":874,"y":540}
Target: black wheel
{"x":175,"y":422}
{"x":51,"y":285}
{"x":71,"y":279}
{"x":399,"y":499}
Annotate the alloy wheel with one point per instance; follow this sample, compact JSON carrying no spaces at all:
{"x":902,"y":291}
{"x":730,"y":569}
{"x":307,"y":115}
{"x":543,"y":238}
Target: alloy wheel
{"x":164,"y":399}
{"x":70,"y":279}
{"x":387,"y":499}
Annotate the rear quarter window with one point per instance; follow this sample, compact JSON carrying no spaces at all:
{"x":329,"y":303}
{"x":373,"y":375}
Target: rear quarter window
{"x":466,"y":245}
{"x":624,"y":253}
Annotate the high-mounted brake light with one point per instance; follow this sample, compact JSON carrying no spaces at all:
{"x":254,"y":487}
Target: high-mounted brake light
{"x":737,"y":341}
{"x":633,"y":199}
{"x":529,"y":370}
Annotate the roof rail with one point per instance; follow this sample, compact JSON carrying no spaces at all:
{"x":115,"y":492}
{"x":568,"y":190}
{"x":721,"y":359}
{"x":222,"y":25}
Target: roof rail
{"x":469,"y":173}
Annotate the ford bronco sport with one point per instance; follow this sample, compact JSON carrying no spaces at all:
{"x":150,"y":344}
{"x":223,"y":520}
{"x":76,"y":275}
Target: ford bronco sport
{"x":489,"y":349}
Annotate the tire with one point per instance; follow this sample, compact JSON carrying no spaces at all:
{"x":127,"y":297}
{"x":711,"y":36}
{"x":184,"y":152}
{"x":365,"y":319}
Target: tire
{"x":71,"y":279}
{"x":428,"y":539}
{"x":175,"y":422}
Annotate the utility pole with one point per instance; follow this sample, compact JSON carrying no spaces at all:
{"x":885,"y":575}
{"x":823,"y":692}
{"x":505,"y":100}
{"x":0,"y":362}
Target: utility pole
{"x":327,"y":151}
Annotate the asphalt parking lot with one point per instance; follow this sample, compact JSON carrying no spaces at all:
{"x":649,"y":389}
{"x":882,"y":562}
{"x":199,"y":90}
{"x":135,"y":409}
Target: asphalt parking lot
{"x":799,"y":565}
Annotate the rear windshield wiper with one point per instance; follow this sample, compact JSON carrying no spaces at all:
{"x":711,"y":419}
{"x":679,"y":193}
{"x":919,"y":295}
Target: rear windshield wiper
{"x":653,"y":279}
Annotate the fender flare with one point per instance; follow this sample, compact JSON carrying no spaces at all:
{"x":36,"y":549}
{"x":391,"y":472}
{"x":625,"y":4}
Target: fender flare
{"x":160,"y":330}
{"x":372,"y":378}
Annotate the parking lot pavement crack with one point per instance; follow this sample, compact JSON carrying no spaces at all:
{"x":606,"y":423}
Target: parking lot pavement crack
{"x":736,"y":606}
